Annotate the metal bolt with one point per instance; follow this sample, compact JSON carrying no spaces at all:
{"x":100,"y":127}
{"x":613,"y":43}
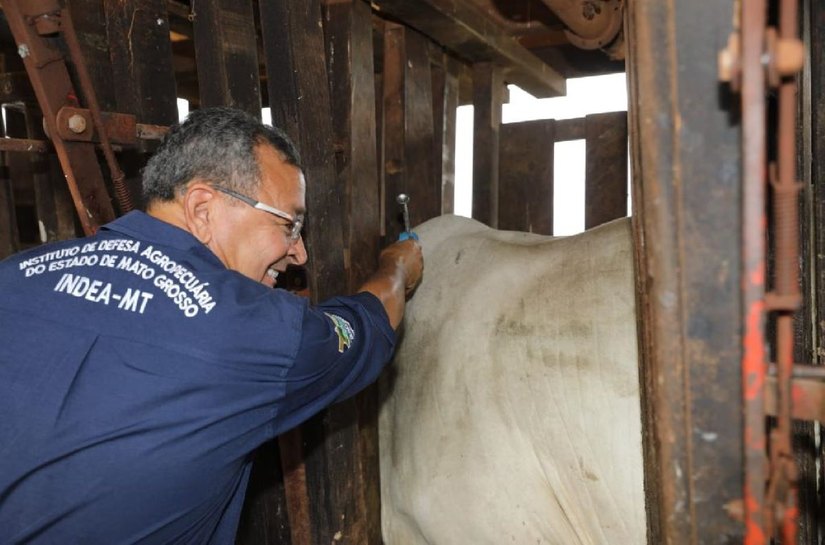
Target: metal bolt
{"x":403,"y":199}
{"x":77,"y":123}
{"x":23,"y":50}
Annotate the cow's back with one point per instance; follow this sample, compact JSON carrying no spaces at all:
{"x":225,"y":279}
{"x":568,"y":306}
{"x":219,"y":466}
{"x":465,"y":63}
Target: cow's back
{"x":511,"y":413}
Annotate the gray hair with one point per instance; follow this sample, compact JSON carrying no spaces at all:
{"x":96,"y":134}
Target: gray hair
{"x":216,"y":145}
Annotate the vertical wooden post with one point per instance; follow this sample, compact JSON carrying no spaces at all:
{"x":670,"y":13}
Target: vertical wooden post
{"x":488,"y":95}
{"x":226,"y":53}
{"x":815,"y":13}
{"x":687,"y":225}
{"x":349,"y":47}
{"x":408,"y":129}
{"x":445,"y":103}
{"x":526,"y":176}
{"x":606,"y":168}
{"x":348,"y":32}
{"x":324,"y":495}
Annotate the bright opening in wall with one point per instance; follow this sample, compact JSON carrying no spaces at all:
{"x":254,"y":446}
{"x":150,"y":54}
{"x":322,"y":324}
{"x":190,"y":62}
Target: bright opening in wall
{"x":183,"y":109}
{"x":590,"y":95}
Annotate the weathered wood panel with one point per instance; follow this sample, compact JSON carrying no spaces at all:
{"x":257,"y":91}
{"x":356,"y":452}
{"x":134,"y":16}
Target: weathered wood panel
{"x":349,"y":54}
{"x":408,"y":129}
{"x":89,"y":21}
{"x":325,"y":484}
{"x":445,"y":75}
{"x":488,"y":96}
{"x":605,"y":181}
{"x":816,"y":26}
{"x":465,"y":29}
{"x":526,"y":176}
{"x":348,"y":32}
{"x":687,"y":225}
{"x":144,"y":80}
{"x":226,"y":53}
{"x":141,"y":59}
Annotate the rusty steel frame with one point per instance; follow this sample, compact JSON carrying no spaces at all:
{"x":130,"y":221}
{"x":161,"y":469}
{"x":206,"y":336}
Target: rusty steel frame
{"x":52,"y":85}
{"x":753,"y":20}
{"x":755,"y":60}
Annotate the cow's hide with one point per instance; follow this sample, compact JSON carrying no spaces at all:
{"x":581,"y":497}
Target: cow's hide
{"x":511,"y":412}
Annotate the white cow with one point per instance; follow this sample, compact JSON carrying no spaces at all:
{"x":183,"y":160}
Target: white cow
{"x":511,"y":412}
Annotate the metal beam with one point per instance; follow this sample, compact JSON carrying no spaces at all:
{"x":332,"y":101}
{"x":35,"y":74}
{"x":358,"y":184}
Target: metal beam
{"x":687,"y":201}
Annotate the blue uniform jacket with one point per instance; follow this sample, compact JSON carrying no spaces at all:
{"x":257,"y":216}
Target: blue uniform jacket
{"x":137,"y":375}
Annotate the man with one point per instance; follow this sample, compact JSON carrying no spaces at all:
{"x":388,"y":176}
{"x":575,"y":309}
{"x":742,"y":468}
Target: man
{"x":140,"y":367}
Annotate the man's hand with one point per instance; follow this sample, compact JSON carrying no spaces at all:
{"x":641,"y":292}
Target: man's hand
{"x":400,"y":266}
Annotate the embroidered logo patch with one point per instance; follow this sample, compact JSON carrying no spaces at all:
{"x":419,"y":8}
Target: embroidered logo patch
{"x":344,"y":331}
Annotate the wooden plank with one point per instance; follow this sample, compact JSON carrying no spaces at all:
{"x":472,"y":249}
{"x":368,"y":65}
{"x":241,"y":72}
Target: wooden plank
{"x":445,"y":75}
{"x":605,"y":181}
{"x":226,"y":54}
{"x":687,"y":179}
{"x":141,"y":58}
{"x":323,"y":482}
{"x":90,"y":25}
{"x":815,"y":75}
{"x":408,"y":129}
{"x":348,"y":33}
{"x":570,"y":129}
{"x":349,"y":53}
{"x":526,"y":177}
{"x":144,"y":79}
{"x":465,"y":29}
{"x":488,"y":91}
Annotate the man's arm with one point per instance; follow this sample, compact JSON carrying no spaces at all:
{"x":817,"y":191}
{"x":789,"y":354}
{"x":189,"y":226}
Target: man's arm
{"x":399,"y":271}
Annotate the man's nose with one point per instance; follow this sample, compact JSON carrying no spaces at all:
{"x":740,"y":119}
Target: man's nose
{"x":298,"y":252}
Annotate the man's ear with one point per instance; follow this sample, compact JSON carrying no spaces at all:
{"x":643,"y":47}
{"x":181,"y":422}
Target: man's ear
{"x":198,"y":203}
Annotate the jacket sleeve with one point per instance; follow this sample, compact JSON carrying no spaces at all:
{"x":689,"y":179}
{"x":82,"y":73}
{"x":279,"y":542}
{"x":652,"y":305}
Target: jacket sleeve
{"x":345,"y":343}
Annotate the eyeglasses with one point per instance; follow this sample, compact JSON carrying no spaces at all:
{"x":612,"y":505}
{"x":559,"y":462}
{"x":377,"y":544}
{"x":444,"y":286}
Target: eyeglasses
{"x":296,"y":223}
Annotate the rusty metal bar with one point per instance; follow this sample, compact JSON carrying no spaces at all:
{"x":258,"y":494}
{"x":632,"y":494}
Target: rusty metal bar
{"x":753,"y":19}
{"x":25,"y":145}
{"x":808,"y":396}
{"x":782,"y":484}
{"x":50,"y":80}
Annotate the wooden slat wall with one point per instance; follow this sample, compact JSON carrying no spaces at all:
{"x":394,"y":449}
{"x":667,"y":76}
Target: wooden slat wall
{"x":332,"y":496}
{"x":444,"y":69}
{"x":349,"y":54}
{"x":488,"y":95}
{"x":408,"y":129}
{"x":605,"y":168}
{"x":226,"y":54}
{"x":141,"y":59}
{"x":526,"y":176}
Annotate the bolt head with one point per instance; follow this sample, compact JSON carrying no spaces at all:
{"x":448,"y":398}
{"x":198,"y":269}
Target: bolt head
{"x":23,"y":50}
{"x":77,"y":123}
